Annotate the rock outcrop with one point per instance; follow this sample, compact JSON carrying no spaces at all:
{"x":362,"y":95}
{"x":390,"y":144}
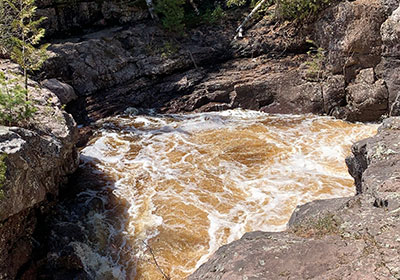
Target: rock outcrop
{"x":269,"y":69}
{"x":346,"y":238}
{"x":69,"y":17}
{"x":390,"y":64}
{"x":38,"y":160}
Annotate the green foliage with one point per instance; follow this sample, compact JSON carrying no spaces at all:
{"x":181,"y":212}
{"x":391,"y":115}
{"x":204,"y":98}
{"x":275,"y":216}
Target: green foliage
{"x":6,"y":18}
{"x":168,"y":49}
{"x":3,"y":170}
{"x":327,"y":224}
{"x":213,"y":16}
{"x":238,"y":3}
{"x":315,"y":64}
{"x":172,"y":14}
{"x":14,"y":106}
{"x":299,"y":9}
{"x":26,"y":36}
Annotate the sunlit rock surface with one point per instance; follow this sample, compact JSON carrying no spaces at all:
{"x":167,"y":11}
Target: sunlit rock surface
{"x":38,"y":159}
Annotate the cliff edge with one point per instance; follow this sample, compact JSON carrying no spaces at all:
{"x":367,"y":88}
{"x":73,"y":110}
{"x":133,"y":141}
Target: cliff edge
{"x":37,"y":159}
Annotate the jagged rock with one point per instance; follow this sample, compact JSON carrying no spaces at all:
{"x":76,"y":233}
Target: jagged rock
{"x":252,"y":96}
{"x":135,"y":66}
{"x":350,"y":34}
{"x":119,"y":57}
{"x":350,"y":243}
{"x":374,"y":160}
{"x":389,"y":67}
{"x":334,"y":94}
{"x":259,"y":84}
{"x":367,"y":99}
{"x":63,"y":17}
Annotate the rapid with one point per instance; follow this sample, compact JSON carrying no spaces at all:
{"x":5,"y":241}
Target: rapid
{"x":176,"y":187}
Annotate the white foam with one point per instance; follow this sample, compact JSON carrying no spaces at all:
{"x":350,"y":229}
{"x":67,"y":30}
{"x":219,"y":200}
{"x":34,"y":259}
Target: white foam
{"x":306,"y":154}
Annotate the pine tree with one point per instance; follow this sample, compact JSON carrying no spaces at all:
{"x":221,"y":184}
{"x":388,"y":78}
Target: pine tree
{"x":14,"y":107}
{"x":6,"y":18}
{"x":26,"y":36}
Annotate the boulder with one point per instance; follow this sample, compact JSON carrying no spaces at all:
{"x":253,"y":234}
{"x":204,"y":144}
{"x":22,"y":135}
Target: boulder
{"x":367,"y":98}
{"x":64,"y":92}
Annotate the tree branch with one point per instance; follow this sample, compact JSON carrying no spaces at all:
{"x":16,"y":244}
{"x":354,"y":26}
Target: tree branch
{"x":155,"y":261}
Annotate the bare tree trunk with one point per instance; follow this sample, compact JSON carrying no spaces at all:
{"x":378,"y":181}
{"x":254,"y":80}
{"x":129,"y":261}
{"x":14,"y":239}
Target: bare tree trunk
{"x":194,"y":7}
{"x":239,"y":30}
{"x":150,"y":7}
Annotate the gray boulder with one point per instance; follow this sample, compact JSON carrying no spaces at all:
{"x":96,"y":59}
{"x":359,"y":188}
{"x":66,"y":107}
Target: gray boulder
{"x":64,"y":92}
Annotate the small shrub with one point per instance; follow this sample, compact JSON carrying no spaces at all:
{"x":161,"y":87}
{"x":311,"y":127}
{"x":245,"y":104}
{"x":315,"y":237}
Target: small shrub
{"x":14,"y":106}
{"x":213,"y":16}
{"x":325,"y":225}
{"x":231,"y":3}
{"x":26,"y":36}
{"x":172,"y":14}
{"x":299,"y":9}
{"x":315,"y":64}
{"x":168,"y":50}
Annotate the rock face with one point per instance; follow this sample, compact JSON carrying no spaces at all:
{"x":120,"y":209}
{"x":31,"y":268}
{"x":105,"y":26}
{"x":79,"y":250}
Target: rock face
{"x":367,"y":98}
{"x":65,"y":17}
{"x":38,"y":160}
{"x":345,"y":238}
{"x":269,"y":69}
{"x":390,"y":64}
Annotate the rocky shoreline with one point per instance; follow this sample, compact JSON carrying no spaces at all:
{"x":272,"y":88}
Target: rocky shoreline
{"x":115,"y":58}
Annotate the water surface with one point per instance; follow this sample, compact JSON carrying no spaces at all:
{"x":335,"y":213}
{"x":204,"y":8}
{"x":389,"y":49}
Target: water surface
{"x":187,"y":184}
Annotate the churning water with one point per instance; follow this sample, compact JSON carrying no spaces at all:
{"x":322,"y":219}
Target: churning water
{"x":180,"y":186}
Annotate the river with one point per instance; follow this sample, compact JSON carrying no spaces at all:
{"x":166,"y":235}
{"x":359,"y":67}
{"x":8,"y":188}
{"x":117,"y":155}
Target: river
{"x":177,"y":187}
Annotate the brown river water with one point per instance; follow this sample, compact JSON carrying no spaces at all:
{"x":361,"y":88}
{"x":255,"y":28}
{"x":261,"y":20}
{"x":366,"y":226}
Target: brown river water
{"x":188,"y":184}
